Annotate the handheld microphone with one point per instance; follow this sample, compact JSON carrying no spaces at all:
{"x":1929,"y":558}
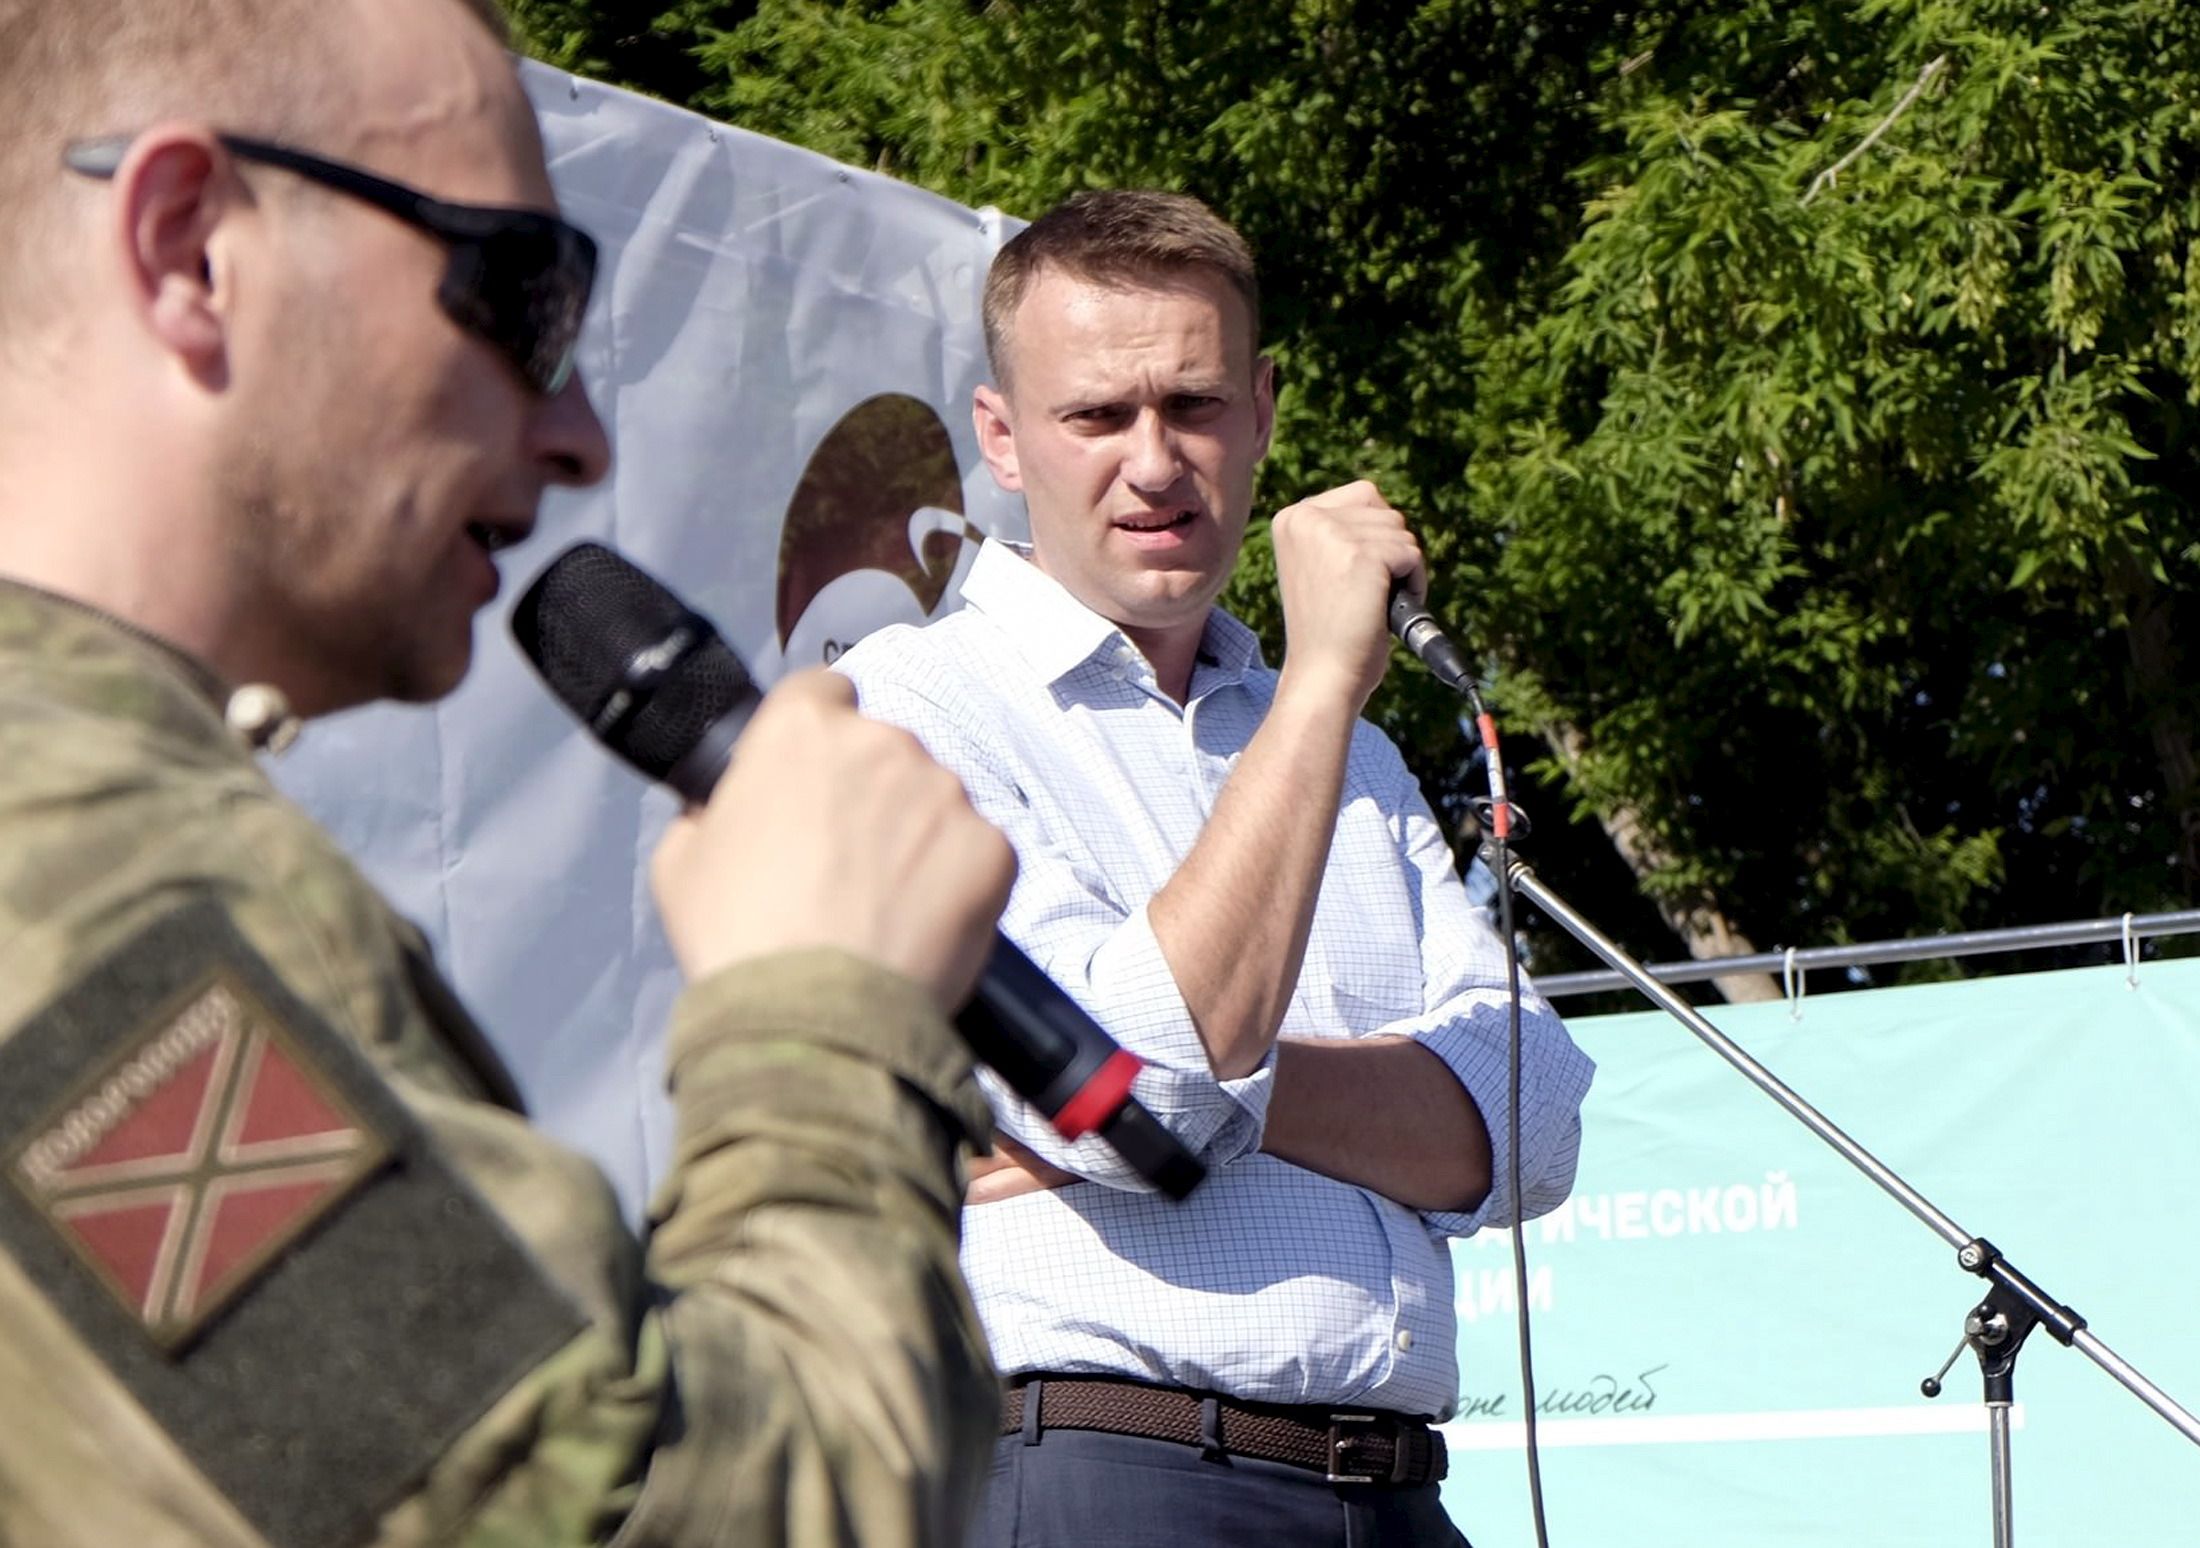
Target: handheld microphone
{"x":652,"y":681}
{"x":1418,"y":630}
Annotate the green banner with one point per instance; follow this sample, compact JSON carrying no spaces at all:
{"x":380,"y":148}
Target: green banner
{"x":1731,"y":1323}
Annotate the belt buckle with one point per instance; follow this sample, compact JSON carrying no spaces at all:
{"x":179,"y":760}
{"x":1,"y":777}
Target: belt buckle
{"x":1338,"y":1440}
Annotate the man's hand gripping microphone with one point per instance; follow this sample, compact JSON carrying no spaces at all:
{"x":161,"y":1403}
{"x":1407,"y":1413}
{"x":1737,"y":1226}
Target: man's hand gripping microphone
{"x":653,"y":681}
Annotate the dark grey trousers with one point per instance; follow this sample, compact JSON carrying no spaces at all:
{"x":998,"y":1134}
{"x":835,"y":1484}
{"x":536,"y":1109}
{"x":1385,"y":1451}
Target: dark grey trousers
{"x":1083,"y":1489}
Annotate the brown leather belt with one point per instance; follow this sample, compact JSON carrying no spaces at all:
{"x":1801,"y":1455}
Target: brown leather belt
{"x":1348,"y":1446}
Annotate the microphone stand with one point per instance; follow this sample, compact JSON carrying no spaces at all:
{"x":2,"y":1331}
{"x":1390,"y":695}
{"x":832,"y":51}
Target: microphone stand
{"x":1995,"y":1329}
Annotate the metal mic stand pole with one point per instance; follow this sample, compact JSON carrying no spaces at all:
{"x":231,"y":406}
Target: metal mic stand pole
{"x":1997,"y":1327}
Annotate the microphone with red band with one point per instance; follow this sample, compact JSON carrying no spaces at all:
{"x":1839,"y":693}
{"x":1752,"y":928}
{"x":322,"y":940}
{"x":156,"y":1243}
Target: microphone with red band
{"x":652,"y":680}
{"x":1417,"y":629}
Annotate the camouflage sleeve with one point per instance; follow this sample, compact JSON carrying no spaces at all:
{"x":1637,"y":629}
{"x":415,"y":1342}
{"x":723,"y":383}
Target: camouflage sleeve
{"x":796,"y":1358}
{"x":828,"y":1360}
{"x":829,"y":1374}
{"x":791,"y":1357}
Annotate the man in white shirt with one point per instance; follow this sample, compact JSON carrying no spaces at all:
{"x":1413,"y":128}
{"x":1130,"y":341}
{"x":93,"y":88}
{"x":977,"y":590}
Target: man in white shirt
{"x":1238,"y":878}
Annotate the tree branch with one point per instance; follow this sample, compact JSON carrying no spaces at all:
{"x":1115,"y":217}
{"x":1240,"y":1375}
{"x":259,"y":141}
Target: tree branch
{"x":1826,"y":179}
{"x":1701,"y":924}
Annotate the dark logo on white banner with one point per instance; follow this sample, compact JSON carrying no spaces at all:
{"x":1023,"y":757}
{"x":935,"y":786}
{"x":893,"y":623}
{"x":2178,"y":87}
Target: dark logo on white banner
{"x":875,"y":532}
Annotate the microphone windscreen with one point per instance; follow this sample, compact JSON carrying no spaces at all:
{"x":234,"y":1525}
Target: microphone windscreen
{"x":647,"y":675}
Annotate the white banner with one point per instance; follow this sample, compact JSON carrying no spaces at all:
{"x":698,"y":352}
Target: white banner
{"x":783,"y":350}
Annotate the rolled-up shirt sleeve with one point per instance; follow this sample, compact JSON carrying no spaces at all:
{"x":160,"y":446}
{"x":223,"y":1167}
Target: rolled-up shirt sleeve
{"x":1467,"y":1024}
{"x":1096,"y":946}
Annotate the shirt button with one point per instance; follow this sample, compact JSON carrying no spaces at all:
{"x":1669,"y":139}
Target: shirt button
{"x":1404,"y":1340}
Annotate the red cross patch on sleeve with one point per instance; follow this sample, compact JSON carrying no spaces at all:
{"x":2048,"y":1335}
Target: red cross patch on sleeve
{"x":261,"y":1242}
{"x":195,"y":1158}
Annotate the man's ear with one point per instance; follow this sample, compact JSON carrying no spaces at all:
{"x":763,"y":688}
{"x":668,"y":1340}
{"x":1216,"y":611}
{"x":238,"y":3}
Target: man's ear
{"x":172,"y":193}
{"x":1264,"y":402}
{"x":997,"y":437}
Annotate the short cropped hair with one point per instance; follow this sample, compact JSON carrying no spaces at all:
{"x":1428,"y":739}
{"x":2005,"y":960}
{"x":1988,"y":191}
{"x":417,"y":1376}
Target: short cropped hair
{"x":70,"y":69}
{"x":1125,"y":236}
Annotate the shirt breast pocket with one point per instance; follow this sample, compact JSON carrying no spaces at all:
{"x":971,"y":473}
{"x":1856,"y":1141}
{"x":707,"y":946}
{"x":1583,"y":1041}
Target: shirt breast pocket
{"x":1366,"y":943}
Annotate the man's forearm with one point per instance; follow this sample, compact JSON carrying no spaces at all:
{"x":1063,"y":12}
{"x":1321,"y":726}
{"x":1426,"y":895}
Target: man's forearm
{"x":1233,"y":921}
{"x":1381,"y":1112}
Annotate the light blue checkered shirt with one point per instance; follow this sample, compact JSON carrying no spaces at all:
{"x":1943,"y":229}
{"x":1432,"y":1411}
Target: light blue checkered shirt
{"x":1272,"y":1283}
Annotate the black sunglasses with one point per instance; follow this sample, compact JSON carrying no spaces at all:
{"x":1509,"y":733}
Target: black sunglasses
{"x":517,"y":279}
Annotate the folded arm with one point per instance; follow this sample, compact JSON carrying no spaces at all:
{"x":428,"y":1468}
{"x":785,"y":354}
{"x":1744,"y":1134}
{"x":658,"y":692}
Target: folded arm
{"x":1416,"y":1111}
{"x":1419,"y":1111}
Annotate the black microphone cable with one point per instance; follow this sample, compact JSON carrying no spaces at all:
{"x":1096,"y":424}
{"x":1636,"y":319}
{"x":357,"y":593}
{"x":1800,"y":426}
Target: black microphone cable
{"x":1419,"y":632}
{"x":1499,"y":846}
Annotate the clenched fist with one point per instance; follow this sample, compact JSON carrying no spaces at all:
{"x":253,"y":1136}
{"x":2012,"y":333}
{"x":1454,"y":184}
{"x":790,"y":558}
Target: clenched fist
{"x":1337,"y":555}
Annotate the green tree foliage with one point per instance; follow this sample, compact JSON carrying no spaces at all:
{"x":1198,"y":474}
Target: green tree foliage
{"x":1857,"y":431}
{"x":1796,"y":399}
{"x":648,"y":45}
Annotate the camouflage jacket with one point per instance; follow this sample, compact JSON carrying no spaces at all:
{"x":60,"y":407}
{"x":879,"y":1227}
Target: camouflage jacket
{"x":282,"y":1264}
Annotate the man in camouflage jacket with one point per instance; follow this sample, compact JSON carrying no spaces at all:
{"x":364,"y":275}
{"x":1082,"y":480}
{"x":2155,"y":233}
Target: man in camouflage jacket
{"x":281,"y":1262}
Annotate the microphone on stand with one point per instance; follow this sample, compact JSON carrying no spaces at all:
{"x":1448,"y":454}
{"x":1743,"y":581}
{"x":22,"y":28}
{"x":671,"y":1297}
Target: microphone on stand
{"x":1417,"y":629}
{"x":652,"y":681}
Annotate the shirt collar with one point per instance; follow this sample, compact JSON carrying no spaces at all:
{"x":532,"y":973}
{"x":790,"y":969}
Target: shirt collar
{"x":1057,"y":633}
